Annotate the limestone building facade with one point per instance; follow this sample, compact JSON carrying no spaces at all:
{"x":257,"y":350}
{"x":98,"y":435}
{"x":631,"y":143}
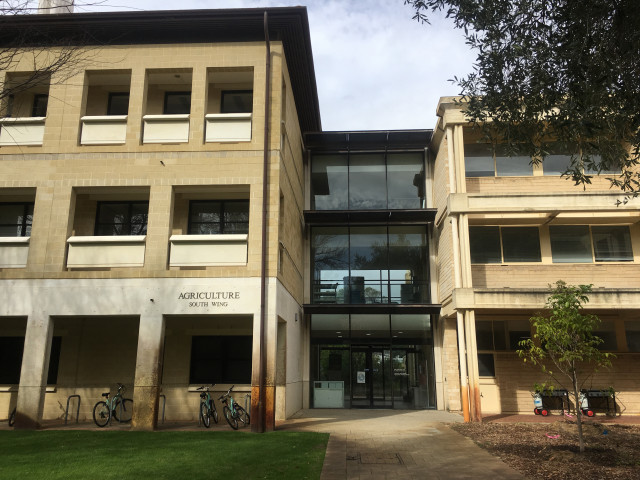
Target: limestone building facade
{"x":172,"y":215}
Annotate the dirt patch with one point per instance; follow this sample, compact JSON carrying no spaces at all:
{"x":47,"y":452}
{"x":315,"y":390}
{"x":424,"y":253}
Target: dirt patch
{"x":544,"y":451}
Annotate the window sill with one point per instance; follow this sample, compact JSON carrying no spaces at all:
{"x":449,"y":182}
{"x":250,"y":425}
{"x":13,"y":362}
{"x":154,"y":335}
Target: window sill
{"x":14,"y":239}
{"x":107,"y":239}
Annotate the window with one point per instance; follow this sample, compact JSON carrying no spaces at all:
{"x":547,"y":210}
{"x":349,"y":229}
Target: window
{"x":559,"y":161}
{"x":373,"y":265}
{"x":208,"y":217}
{"x":16,"y":219}
{"x":40,"y":101}
{"x":632,"y":330}
{"x":573,"y":244}
{"x":504,"y":244}
{"x":486,"y":365}
{"x":122,"y":218}
{"x":177,"y":103}
{"x":607,"y":332}
{"x":118,"y":103}
{"x":236,"y":101}
{"x":11,"y":349}
{"x":221,"y":359}
{"x":501,"y":334}
{"x":367,"y":181}
{"x":10,"y":102}
{"x":612,"y":244}
{"x":483,"y":160}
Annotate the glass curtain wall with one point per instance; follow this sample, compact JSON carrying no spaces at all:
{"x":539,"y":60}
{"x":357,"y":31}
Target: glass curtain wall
{"x":367,"y":181}
{"x":373,"y":265}
{"x":372,"y":361}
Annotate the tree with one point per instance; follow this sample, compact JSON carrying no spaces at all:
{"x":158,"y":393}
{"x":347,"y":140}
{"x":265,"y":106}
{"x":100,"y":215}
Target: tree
{"x":564,"y":338}
{"x":555,"y":74}
{"x":50,"y":59}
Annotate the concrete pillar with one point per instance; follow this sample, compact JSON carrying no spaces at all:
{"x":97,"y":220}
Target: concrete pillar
{"x":148,"y":377}
{"x":34,"y":371}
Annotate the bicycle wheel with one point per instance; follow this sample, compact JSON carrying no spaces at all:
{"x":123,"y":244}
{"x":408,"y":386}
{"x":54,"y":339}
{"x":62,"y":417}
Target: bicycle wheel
{"x":214,"y":412}
{"x":205,"y":414}
{"x":243,"y":416}
{"x":231,"y":420}
{"x":101,"y":414}
{"x":123,"y":415}
{"x":12,"y":417}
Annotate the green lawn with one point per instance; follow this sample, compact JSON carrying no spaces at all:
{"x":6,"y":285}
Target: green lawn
{"x":160,"y":455}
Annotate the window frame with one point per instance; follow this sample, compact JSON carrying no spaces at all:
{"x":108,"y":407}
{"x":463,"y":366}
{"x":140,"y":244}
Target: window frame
{"x":130,"y":204}
{"x":25,"y":214}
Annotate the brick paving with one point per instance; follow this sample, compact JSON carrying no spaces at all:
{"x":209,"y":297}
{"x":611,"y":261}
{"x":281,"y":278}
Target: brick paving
{"x":392,"y":444}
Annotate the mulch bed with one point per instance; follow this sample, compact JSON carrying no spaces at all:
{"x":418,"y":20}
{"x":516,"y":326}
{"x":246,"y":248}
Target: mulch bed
{"x":544,"y":451}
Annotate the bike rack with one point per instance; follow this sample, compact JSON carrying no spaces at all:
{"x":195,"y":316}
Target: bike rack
{"x":247,"y":397}
{"x":66,"y":412}
{"x":164,"y":404}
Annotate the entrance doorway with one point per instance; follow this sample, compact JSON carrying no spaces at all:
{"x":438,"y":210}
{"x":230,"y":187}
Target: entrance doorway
{"x":371,"y":377}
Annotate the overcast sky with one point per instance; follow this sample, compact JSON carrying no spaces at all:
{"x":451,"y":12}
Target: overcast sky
{"x":376,"y":67}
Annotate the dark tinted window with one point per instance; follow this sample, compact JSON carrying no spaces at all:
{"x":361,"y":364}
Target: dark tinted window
{"x":177,"y":103}
{"x":236,"y":101}
{"x":122,"y":218}
{"x":16,"y":219}
{"x":218,"y":217}
{"x":221,"y":359}
{"x":40,"y":101}
{"x":11,"y":350}
{"x":118,"y":104}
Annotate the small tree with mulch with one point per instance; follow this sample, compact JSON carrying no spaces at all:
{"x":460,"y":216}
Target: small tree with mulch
{"x":564,"y":340}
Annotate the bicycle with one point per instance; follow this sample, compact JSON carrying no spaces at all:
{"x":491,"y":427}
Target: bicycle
{"x":119,"y":407}
{"x":232,"y":411}
{"x":12,"y":417}
{"x":207,"y":406}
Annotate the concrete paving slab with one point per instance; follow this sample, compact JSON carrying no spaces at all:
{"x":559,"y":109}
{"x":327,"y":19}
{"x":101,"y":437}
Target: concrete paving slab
{"x":364,"y":443}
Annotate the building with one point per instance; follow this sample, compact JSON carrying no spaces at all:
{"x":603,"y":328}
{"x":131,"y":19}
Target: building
{"x":132,"y":197}
{"x":370,"y":302}
{"x":505,"y":231}
{"x":173,"y":215}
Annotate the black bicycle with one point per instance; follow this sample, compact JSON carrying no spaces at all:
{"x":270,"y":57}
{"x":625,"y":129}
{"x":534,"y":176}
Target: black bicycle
{"x":233,"y":412}
{"x":207,"y":406}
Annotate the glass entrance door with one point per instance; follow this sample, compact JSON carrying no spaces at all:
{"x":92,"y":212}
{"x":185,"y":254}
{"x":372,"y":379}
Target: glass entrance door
{"x":371,"y":382}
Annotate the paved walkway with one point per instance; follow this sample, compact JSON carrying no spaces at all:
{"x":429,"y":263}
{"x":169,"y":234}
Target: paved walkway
{"x":397,"y":444}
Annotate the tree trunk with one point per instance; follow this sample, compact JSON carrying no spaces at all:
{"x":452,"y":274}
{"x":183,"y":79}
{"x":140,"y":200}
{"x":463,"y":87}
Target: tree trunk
{"x":576,"y":396}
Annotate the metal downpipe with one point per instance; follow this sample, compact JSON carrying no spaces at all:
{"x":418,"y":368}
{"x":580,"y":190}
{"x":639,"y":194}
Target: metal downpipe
{"x":260,"y":425}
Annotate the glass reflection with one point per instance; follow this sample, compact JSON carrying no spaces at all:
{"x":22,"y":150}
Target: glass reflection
{"x":367,"y":182}
{"x":329,"y":182}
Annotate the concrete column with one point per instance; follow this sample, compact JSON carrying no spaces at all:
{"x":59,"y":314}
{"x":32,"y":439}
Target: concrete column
{"x":146,"y":389}
{"x":33,"y":374}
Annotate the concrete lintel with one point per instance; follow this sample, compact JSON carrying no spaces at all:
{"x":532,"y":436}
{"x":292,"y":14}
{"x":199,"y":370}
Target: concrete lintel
{"x":535,"y":299}
{"x":540,"y":202}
